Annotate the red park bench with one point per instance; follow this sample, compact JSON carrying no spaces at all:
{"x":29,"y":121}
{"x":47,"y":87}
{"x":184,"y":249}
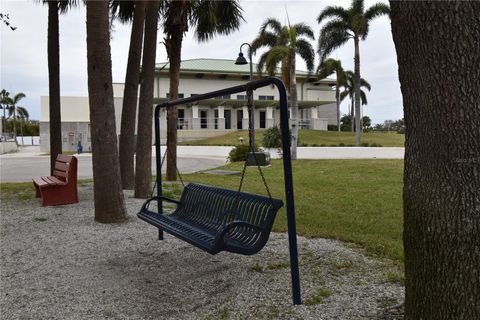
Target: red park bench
{"x":61,"y":188}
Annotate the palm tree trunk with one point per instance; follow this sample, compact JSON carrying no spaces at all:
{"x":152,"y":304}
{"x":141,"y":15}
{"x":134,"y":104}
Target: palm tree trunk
{"x":337,"y":99}
{"x":143,"y":165}
{"x":54,"y":84}
{"x":293,"y":107}
{"x":174,"y":53}
{"x":441,"y":198}
{"x":14,"y":107}
{"x":352,"y":115}
{"x":357,"y":90}
{"x":108,"y":194}
{"x":21,"y":129}
{"x":130,"y":94}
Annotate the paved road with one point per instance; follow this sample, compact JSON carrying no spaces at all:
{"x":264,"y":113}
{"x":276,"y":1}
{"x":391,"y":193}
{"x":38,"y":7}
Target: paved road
{"x":23,"y":166}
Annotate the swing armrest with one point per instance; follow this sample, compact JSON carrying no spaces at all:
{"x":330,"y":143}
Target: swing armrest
{"x":146,"y":204}
{"x":233,"y":224}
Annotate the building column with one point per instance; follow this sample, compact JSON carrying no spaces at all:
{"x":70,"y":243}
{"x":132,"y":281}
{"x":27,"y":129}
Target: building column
{"x":245,"y":118}
{"x":195,"y":119}
{"x":221,"y":118}
{"x":316,"y":122}
{"x":269,"y":122}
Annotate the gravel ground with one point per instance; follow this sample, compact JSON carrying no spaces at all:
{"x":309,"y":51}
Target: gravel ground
{"x":57,"y":263}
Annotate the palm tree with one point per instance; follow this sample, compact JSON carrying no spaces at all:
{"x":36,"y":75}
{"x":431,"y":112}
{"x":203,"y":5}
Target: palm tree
{"x":208,"y":18}
{"x":12,"y":110}
{"x":345,"y":24}
{"x":108,"y":194}
{"x":53,"y":48}
{"x":284,"y":44}
{"x":349,"y":91}
{"x":3,"y":104}
{"x":130,"y":11}
{"x":143,"y":164}
{"x":22,"y":115}
{"x":327,"y":68}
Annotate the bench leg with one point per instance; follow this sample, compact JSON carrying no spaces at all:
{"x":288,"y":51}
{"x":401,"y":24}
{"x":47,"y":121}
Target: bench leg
{"x":160,"y":234}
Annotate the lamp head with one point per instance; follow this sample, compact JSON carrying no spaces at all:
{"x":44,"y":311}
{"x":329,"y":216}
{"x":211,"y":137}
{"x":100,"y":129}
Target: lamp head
{"x":241,"y":59}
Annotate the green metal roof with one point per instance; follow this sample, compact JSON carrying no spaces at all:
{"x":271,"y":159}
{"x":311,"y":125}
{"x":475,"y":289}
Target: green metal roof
{"x":220,"y":66}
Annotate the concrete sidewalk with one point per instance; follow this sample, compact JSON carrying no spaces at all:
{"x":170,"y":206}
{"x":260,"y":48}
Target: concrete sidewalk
{"x":221,"y":152}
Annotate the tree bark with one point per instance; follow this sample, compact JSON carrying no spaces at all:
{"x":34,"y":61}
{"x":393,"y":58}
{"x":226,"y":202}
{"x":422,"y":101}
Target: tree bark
{"x":437,"y":44}
{"x":357,"y":90}
{"x":54,"y":84}
{"x":174,"y":50}
{"x":108,"y":194}
{"x":293,"y":106}
{"x":130,"y":94}
{"x":143,"y":165}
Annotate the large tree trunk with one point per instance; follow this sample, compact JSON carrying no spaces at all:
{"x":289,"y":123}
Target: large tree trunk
{"x":352,"y":115}
{"x":293,"y":107}
{"x":129,"y":109}
{"x":357,"y":90}
{"x":108,"y":194}
{"x":14,"y":107}
{"x":54,"y":84}
{"x":143,"y":165}
{"x":175,"y":56}
{"x":438,"y":53}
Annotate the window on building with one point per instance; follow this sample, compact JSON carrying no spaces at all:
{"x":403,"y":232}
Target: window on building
{"x":263,"y":122}
{"x":181,"y":119}
{"x":225,"y":97}
{"x":242,"y":97}
{"x":203,"y":119}
{"x":265,"y":97}
{"x":215,"y":114}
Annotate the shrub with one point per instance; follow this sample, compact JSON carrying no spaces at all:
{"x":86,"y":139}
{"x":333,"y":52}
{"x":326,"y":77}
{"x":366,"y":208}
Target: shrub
{"x":332,"y":127}
{"x":364,"y":144}
{"x":239,"y":152}
{"x":341,"y":144}
{"x":272,"y":138}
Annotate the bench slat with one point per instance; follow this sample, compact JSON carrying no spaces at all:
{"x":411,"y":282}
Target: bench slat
{"x":62,"y":174}
{"x":40,"y":182}
{"x":64,"y":158}
{"x":61,"y":166}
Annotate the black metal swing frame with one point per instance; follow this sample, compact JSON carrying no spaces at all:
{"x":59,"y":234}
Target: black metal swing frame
{"x":287,"y":162}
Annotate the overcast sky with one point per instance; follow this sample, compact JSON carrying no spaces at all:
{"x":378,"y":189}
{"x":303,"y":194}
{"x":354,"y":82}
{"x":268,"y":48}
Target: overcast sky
{"x":24,"y":51}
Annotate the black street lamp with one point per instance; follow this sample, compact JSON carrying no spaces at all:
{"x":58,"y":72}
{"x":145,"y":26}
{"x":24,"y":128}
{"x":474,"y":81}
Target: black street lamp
{"x":251,"y":123}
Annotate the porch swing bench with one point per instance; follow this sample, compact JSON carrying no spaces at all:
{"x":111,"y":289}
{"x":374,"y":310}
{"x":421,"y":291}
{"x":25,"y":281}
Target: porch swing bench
{"x":215,"y":219}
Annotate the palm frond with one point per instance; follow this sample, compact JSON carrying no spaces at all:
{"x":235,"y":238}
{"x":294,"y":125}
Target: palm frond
{"x":343,"y":95}
{"x":261,"y":63}
{"x":123,"y":10}
{"x":333,"y":12}
{"x":303,"y":29}
{"x":363,"y":97}
{"x":364,"y":83}
{"x":329,"y":67}
{"x":264,"y":39}
{"x":212,"y":18}
{"x":305,"y":50}
{"x":64,"y":5}
{"x":274,"y":57}
{"x":332,"y":36}
{"x":273,"y":24}
{"x":357,"y":7}
{"x":378,"y":9}
{"x":23,"y":113}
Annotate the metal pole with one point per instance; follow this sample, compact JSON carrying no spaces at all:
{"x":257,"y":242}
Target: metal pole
{"x":250,"y":105}
{"x":158,"y":162}
{"x":287,"y":171}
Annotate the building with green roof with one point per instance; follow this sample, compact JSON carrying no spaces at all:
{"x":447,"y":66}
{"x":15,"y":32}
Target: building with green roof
{"x":208,"y":117}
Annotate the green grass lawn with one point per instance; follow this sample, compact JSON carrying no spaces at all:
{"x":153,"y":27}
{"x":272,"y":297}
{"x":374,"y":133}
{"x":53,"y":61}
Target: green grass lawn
{"x":309,"y":138}
{"x":357,"y":201}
